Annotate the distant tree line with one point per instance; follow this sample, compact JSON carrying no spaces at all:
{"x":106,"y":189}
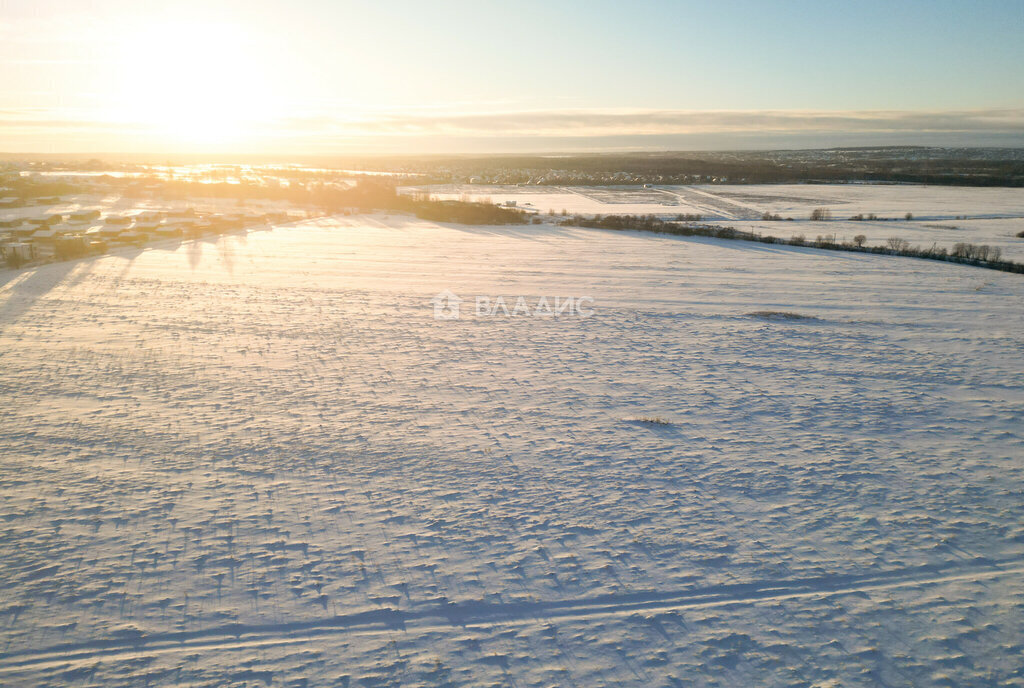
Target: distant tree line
{"x":28,"y":189}
{"x":965,"y":254}
{"x":383,"y":195}
{"x":955,"y":167}
{"x":468,"y":213}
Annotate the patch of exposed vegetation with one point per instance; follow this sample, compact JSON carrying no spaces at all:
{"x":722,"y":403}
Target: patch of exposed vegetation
{"x":780,"y":315}
{"x":651,"y":420}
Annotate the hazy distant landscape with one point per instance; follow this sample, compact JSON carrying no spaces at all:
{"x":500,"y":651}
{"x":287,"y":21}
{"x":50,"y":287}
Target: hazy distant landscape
{"x":55,"y":210}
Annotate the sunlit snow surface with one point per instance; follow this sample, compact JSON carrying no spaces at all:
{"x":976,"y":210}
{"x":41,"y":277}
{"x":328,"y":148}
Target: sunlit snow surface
{"x":260,"y":460}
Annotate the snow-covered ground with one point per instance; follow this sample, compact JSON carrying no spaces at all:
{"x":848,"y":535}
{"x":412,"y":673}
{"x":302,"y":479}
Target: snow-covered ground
{"x":943,"y":215}
{"x":260,"y":460}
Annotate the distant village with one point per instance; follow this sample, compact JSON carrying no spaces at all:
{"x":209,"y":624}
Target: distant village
{"x":51,"y":211}
{"x":44,"y":236}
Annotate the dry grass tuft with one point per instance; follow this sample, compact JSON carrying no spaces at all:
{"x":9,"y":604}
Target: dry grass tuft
{"x":651,"y":420}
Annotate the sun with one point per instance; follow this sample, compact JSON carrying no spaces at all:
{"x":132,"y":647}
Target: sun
{"x":196,"y":83}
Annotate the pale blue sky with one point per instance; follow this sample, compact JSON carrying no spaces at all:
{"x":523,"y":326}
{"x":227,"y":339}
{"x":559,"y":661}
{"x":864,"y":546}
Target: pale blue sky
{"x":113,"y":75}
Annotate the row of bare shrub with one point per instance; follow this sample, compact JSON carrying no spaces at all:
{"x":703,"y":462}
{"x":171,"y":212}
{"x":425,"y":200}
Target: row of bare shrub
{"x":966,"y":254}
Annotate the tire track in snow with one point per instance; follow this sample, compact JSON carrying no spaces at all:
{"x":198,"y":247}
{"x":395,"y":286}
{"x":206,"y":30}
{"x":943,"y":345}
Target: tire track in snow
{"x":712,"y":204}
{"x":469,"y":614}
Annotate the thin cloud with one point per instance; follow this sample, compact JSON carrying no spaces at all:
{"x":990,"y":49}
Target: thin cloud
{"x":570,"y":123}
{"x":33,"y":128}
{"x":668,"y":122}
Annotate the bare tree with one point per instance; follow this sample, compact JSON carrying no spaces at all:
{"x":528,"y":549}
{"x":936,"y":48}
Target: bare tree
{"x":859,"y":240}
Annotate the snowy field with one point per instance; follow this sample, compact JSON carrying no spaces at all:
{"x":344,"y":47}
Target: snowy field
{"x":943,"y":215}
{"x":260,"y":460}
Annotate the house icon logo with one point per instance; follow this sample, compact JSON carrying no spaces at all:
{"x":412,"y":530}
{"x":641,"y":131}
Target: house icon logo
{"x":446,"y":306}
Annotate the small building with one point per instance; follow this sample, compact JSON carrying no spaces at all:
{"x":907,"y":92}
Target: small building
{"x":169,"y":229}
{"x":18,"y":253}
{"x":146,"y":228}
{"x":151,"y":217}
{"x":45,"y":235}
{"x":84,"y":216}
{"x":132,"y":237}
{"x":111,"y":230}
{"x":66,"y":247}
{"x":24,"y":229}
{"x":41,"y":221}
{"x":65,"y":228}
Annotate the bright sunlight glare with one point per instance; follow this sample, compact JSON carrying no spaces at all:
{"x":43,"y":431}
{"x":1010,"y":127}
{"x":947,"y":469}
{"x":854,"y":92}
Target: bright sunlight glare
{"x":199,"y":83}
